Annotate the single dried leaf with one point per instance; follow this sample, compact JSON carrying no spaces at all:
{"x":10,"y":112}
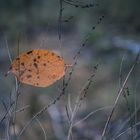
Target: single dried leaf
{"x":38,"y":67}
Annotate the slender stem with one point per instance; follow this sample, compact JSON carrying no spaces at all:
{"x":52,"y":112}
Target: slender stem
{"x":119,"y":94}
{"x":43,"y":129}
{"x":120,"y":72}
{"x":128,"y":129}
{"x":91,"y":113}
{"x":60,"y":18}
{"x":8,"y":50}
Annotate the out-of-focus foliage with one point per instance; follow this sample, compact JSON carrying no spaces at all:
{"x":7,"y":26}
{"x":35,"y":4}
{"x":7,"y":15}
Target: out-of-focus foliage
{"x":21,"y":14}
{"x":124,"y":13}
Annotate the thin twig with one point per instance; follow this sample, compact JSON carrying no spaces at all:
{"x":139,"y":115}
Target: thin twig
{"x":80,"y":97}
{"x":119,"y":94}
{"x":68,"y":114}
{"x":69,"y":103}
{"x":43,"y":129}
{"x":87,"y":37}
{"x":125,"y":92}
{"x":120,"y":72}
{"x":126,"y":121}
{"x":17,"y":93}
{"x":80,"y":4}
{"x":8,"y":128}
{"x":4,"y":105}
{"x":23,"y":108}
{"x":4,"y":116}
{"x":60,"y":18}
{"x":7,"y":122}
{"x":135,"y":106}
{"x":92,"y":113}
{"x":8,"y":50}
{"x":128,"y":129}
{"x":8,"y":112}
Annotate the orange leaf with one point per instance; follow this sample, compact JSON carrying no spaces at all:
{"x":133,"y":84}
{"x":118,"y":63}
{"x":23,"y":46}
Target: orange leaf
{"x":38,"y":67}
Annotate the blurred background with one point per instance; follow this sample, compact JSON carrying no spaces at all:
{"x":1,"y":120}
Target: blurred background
{"x":114,"y":44}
